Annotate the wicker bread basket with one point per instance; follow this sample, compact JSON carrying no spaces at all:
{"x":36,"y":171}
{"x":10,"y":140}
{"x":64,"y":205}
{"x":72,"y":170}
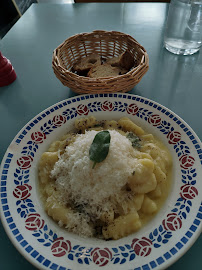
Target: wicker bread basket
{"x":107,"y":45}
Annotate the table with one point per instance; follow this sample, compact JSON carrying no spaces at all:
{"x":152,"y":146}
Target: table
{"x":174,"y":81}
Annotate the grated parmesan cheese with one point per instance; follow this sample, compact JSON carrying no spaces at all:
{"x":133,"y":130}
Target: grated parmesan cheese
{"x":93,"y":190}
{"x":79,"y":223}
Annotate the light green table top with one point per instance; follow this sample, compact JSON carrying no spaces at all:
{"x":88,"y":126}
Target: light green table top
{"x":174,"y":81}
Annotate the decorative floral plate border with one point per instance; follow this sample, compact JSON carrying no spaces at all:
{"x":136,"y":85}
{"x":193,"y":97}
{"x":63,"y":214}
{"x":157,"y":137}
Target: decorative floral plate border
{"x":154,"y":247}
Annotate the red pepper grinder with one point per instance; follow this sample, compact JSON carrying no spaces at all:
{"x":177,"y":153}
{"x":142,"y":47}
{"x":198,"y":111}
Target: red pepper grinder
{"x":7,"y":72}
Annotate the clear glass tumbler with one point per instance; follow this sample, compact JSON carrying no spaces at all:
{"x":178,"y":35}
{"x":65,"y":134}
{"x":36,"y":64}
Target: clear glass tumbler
{"x":183,"y":32}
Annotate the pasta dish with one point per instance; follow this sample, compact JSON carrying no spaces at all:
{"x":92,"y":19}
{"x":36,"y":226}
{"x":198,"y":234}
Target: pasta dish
{"x":105,"y":179}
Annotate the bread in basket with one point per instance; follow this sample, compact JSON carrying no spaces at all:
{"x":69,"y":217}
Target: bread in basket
{"x":107,"y":44}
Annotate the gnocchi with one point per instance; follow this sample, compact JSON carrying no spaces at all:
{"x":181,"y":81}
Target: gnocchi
{"x":124,"y":209}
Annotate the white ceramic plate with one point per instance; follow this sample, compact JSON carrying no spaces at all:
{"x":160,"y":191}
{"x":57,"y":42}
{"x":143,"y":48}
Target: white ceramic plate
{"x":156,"y":246}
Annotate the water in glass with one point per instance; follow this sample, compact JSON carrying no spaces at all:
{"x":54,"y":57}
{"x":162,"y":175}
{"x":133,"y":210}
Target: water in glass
{"x":183,"y":32}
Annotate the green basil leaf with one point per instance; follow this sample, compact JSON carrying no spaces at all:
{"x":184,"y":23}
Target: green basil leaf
{"x":100,"y":147}
{"x":135,"y":140}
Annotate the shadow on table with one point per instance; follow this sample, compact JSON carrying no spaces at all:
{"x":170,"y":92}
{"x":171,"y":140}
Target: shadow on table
{"x":171,"y":80}
{"x":176,"y":67}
